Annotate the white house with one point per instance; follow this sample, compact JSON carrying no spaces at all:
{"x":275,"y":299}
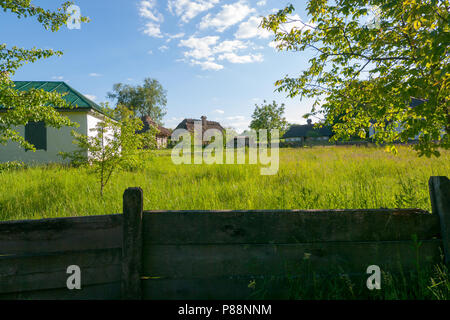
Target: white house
{"x":50,"y":141}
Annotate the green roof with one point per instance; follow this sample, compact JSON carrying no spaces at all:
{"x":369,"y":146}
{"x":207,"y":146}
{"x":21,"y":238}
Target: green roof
{"x":73,"y":97}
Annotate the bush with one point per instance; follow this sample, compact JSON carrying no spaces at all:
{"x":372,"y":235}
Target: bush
{"x":12,"y":165}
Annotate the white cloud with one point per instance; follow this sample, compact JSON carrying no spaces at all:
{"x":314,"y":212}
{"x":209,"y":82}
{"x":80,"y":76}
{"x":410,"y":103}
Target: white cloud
{"x":163,"y":48}
{"x":261,"y":3}
{"x":236,"y":118}
{"x":219,"y":111}
{"x":228,"y":16}
{"x":229,"y":46}
{"x":200,"y":47}
{"x":204,"y":52}
{"x":90,"y":97}
{"x":174,"y":36}
{"x":294,"y":21}
{"x":274,"y":44}
{"x":93,"y":74}
{"x":150,"y":51}
{"x":234,"y":58}
{"x":57,"y":77}
{"x":189,"y":9}
{"x":147,"y":10}
{"x":207,"y":65}
{"x":251,"y":29}
{"x":153,"y":30}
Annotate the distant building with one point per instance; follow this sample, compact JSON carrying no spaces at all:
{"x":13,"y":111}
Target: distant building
{"x":163,"y":133}
{"x":50,"y":141}
{"x":242,"y":140}
{"x":302,"y":133}
{"x":188,"y":124}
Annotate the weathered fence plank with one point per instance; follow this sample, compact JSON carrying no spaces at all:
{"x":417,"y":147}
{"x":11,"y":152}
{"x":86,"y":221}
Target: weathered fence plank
{"x":132,"y":243}
{"x":61,"y":234}
{"x":213,"y":254}
{"x":48,"y":271}
{"x":206,"y":261}
{"x":440,"y":203}
{"x":287,"y":226}
{"x":102,"y":291}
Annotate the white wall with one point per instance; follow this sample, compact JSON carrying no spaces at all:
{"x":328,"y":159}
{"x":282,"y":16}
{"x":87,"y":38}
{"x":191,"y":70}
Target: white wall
{"x":57,"y":140}
{"x":93,"y":119}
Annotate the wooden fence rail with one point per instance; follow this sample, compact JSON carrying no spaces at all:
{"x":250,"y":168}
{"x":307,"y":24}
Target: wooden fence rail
{"x":213,"y":254}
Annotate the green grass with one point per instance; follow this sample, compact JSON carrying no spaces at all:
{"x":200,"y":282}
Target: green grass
{"x":423,"y":282}
{"x":308,"y":178}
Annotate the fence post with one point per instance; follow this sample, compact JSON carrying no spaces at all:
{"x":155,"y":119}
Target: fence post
{"x":440,"y":203}
{"x":132,"y":243}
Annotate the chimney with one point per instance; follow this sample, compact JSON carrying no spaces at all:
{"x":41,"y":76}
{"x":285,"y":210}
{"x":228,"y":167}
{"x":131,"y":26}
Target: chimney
{"x":204,"y":122}
{"x":309,"y":121}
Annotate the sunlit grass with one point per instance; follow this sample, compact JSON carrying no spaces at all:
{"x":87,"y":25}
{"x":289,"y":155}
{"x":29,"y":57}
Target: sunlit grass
{"x":308,"y":178}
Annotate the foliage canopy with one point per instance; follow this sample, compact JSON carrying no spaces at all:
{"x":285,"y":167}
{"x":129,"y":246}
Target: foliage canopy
{"x":371,"y":58}
{"x":112,"y":145}
{"x":17,"y":107}
{"x":269,"y":116}
{"x":147,"y":99}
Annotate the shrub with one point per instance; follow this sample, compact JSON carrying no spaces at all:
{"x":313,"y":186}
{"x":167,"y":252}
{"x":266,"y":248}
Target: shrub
{"x":12,"y":165}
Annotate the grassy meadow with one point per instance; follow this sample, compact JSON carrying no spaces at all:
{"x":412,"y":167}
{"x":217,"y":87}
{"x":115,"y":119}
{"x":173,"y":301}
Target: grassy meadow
{"x":308,"y":178}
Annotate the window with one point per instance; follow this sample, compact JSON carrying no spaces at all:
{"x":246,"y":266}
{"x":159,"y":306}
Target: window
{"x":36,"y":134}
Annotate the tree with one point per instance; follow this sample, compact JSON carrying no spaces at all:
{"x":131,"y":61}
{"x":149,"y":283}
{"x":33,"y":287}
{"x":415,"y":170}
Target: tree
{"x":269,"y":116}
{"x":107,"y":110}
{"x":149,"y":99}
{"x":369,"y":72}
{"x":17,"y":107}
{"x":113,"y":146}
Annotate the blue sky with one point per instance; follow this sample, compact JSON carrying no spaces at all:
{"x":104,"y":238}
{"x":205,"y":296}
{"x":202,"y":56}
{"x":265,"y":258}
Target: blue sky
{"x":208,"y":54}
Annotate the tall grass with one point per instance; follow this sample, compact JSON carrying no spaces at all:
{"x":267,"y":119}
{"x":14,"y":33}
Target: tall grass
{"x":422,"y":282}
{"x":430,"y":284}
{"x":308,"y":178}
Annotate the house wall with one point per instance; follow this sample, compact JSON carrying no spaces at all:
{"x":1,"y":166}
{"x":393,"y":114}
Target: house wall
{"x":293,"y":139}
{"x":321,"y":138}
{"x":93,"y":118}
{"x":92,"y":121}
{"x":161,"y":142}
{"x":57,"y":140}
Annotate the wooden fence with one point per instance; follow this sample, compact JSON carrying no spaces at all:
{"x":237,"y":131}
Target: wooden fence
{"x":212,"y":254}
